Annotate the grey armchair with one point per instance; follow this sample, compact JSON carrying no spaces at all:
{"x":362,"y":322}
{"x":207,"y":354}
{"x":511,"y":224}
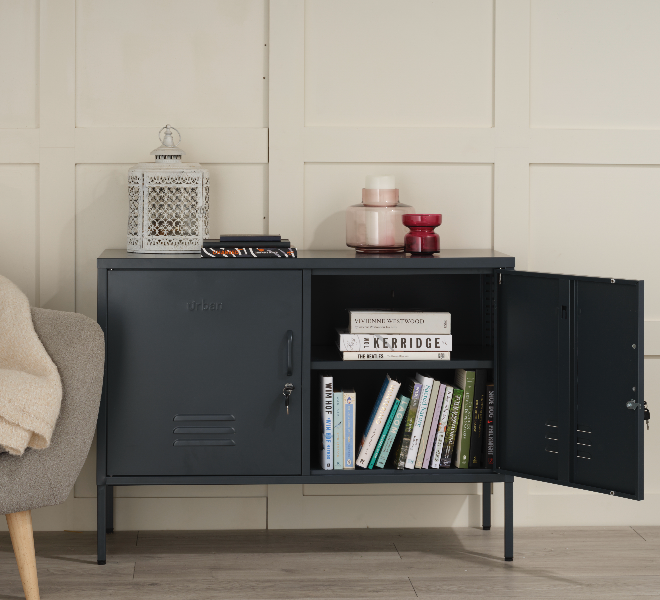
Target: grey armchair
{"x":46,"y":477}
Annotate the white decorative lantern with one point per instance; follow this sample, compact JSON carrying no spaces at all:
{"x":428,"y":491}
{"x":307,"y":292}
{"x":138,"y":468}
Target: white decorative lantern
{"x":168,"y":201}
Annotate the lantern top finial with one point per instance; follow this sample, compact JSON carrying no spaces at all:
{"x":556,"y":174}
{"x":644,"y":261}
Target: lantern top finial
{"x":168,"y":151}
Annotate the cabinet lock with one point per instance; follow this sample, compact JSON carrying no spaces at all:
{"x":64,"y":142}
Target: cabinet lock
{"x":632,"y":405}
{"x":288,"y":388}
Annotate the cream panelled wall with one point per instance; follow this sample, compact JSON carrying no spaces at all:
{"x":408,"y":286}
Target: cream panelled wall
{"x":532,"y":125}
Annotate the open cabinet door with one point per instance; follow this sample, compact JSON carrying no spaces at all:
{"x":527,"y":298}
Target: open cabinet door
{"x":570,"y":361}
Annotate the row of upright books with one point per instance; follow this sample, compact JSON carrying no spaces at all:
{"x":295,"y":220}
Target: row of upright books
{"x":420,"y":424}
{"x":396,"y":335}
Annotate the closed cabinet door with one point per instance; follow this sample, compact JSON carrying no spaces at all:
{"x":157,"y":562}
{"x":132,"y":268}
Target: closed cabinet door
{"x":197,"y":364}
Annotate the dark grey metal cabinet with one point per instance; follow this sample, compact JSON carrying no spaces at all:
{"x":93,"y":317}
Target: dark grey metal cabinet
{"x":197,"y":361}
{"x":199,"y":352}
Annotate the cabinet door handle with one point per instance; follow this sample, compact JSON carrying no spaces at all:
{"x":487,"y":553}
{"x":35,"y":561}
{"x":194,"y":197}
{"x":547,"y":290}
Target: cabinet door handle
{"x":289,"y":352}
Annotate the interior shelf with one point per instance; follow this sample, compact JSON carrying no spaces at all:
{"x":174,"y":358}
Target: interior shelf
{"x":397,"y":472}
{"x":463,"y":357}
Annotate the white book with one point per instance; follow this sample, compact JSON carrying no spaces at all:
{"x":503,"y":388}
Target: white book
{"x":338,"y":428}
{"x":442,"y":428}
{"x":366,"y":342}
{"x":327,"y":409}
{"x":396,"y":355}
{"x":420,"y":418}
{"x":378,"y":422}
{"x":387,"y":321}
{"x":430,"y":413}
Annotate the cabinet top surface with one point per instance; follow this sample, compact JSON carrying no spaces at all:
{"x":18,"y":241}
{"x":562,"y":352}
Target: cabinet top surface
{"x":311,"y":259}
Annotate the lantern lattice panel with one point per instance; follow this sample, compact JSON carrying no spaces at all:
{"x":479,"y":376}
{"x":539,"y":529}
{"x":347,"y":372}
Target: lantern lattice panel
{"x":168,"y":211}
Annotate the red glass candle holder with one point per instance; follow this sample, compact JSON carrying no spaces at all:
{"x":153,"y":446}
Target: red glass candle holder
{"x":421,"y":239}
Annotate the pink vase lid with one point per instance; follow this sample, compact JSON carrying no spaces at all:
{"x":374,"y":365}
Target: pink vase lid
{"x":419,"y":220}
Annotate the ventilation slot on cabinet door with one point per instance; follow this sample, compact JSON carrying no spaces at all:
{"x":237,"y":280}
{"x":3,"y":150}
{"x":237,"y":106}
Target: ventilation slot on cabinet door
{"x":583,"y":443}
{"x":551,"y":438}
{"x":207,"y":429}
{"x":203,"y":430}
{"x":204,"y":443}
{"x":204,"y":418}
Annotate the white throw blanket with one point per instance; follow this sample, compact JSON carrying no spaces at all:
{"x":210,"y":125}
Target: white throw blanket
{"x":30,"y":386}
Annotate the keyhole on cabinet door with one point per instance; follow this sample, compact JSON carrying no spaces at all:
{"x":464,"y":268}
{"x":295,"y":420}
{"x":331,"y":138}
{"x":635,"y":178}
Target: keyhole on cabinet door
{"x":288,"y":388}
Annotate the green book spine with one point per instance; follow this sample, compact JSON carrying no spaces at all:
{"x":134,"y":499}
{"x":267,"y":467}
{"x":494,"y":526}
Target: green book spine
{"x":383,"y":434}
{"x":398,"y":441}
{"x":414,"y":391}
{"x":452,"y":427}
{"x":465,"y":380}
{"x":394,"y":429}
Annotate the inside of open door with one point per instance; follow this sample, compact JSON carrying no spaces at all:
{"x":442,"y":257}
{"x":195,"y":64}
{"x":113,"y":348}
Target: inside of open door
{"x":570,"y":360}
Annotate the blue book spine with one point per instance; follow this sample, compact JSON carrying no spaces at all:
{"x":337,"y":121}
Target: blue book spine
{"x":349,"y":430}
{"x":394,"y":429}
{"x":338,"y":426}
{"x":374,"y":412}
{"x":383,"y":434}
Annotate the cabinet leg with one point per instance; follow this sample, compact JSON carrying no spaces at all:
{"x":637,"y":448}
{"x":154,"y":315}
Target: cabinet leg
{"x":485,"y":499}
{"x":508,"y":520}
{"x":109,"y":509}
{"x":101,"y":524}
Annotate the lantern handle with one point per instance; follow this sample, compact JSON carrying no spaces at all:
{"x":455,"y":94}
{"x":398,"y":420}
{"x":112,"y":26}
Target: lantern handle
{"x":170,"y":127}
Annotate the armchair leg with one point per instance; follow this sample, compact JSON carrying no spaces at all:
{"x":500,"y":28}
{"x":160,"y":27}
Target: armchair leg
{"x":22,"y":539}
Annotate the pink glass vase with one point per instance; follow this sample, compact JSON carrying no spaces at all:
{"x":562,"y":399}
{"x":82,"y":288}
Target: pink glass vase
{"x":421,"y":239}
{"x":375,"y":225}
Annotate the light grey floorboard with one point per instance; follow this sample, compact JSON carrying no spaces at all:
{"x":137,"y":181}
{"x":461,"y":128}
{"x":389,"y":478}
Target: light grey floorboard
{"x":582,"y":563}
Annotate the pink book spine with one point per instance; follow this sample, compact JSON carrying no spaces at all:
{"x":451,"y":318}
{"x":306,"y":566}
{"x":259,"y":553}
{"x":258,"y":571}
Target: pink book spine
{"x":434,"y":426}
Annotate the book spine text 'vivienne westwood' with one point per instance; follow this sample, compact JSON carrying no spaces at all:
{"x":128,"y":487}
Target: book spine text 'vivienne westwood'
{"x":349,"y":429}
{"x":397,"y":356}
{"x":327,"y":411}
{"x":369,"y":342}
{"x":399,"y":322}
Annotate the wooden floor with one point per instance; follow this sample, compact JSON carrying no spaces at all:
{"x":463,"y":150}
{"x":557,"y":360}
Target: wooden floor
{"x":566,"y":563}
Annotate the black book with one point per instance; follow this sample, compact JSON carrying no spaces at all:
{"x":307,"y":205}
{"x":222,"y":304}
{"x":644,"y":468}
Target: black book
{"x":259,"y":238}
{"x":488,"y":449}
{"x":262,"y":252}
{"x":246,"y":244}
{"x":476,"y":438}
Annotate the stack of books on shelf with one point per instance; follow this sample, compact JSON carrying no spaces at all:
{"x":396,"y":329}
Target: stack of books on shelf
{"x":242,"y":245}
{"x":392,"y":335}
{"x":421,"y":423}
